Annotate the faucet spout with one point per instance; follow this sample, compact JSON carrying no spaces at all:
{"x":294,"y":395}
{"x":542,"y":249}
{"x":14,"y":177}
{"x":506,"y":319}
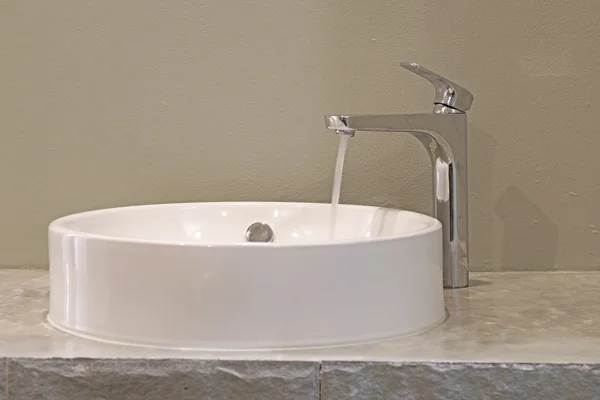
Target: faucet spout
{"x":444,"y":135}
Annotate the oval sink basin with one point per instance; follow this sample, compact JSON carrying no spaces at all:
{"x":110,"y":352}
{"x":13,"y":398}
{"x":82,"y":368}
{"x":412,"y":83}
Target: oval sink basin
{"x":184,"y":276}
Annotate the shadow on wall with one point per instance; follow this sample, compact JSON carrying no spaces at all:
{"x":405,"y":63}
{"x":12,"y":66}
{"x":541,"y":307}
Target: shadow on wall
{"x":530,"y":237}
{"x":481,"y":199}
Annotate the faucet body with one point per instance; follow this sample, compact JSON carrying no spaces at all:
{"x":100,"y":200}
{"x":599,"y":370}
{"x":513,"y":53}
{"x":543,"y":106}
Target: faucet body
{"x":444,"y":135}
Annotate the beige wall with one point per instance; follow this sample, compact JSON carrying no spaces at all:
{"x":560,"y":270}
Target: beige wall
{"x":107,"y":103}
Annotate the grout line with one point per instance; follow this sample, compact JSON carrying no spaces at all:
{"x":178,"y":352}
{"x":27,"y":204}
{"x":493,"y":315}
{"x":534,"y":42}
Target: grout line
{"x":6,"y":379}
{"x":319,"y":387}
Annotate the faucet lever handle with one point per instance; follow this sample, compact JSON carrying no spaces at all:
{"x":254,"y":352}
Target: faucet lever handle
{"x":447,"y":93}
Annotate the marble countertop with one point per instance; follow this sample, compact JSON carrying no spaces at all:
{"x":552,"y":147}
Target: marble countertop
{"x":508,"y":317}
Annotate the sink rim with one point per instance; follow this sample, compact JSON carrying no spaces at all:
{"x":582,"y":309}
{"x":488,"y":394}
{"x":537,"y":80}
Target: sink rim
{"x":58,"y":226}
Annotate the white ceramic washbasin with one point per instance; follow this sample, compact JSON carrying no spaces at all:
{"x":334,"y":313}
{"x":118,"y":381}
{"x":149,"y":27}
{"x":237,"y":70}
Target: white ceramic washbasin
{"x":183,"y":275}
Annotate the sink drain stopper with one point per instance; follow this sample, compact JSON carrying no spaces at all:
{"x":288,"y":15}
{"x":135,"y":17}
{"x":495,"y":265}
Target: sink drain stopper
{"x":259,"y":232}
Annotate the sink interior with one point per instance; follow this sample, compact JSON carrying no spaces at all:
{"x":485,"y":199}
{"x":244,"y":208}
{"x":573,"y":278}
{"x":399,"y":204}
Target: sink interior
{"x":226,"y":223}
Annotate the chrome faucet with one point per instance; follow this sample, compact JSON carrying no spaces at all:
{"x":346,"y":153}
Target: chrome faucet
{"x":444,"y":135}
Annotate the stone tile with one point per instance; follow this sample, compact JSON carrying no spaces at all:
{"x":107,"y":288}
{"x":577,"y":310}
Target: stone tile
{"x":49,"y":379}
{"x":120,"y":379}
{"x":2,"y":376}
{"x":345,"y":380}
{"x":215,"y":380}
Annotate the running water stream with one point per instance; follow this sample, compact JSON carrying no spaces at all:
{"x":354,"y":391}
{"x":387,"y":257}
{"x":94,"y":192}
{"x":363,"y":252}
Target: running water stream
{"x":337,"y":183}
